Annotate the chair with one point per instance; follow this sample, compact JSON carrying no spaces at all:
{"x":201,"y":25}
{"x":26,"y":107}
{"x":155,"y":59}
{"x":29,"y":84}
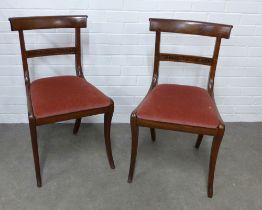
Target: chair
{"x":180,"y":107}
{"x":60,"y":98}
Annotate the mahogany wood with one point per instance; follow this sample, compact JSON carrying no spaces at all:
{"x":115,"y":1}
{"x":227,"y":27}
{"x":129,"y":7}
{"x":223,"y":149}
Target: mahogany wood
{"x":33,"y":133}
{"x":185,"y":58}
{"x":190,"y":27}
{"x":46,"y":22}
{"x":218,"y":31}
{"x":50,"y":51}
{"x":153,"y":134}
{"x":107,"y":124}
{"x":199,"y":140}
{"x":77,"y":125}
{"x":135,"y":132}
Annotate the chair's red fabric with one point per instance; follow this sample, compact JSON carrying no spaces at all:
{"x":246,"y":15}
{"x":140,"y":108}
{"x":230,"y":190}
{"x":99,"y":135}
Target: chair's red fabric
{"x":180,"y":104}
{"x":64,"y":94}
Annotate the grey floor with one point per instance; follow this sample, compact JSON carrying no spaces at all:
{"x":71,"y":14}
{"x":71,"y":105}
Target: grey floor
{"x":170,"y":173}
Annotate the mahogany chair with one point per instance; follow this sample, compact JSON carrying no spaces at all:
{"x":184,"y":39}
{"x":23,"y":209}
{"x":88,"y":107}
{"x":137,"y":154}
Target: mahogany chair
{"x":180,"y":107}
{"x":60,"y":98}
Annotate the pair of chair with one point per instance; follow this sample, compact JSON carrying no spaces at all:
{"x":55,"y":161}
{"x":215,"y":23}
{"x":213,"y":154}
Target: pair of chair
{"x":166,"y":106}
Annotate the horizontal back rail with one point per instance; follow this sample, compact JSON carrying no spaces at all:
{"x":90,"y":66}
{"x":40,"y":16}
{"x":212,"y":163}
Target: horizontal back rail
{"x":47,"y":22}
{"x":50,"y":51}
{"x":185,"y":58}
{"x":190,"y":27}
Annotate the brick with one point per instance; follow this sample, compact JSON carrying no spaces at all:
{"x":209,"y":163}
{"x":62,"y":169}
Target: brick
{"x":124,"y":100}
{"x":10,"y":100}
{"x":244,"y":7}
{"x":44,"y":4}
{"x":122,"y":16}
{"x":251,"y":19}
{"x":255,"y":51}
{"x":118,"y":51}
{"x":243,"y":30}
{"x":208,"y":6}
{"x":9,"y":49}
{"x":127,"y":91}
{"x":112,"y":28}
{"x":14,"y":109}
{"x":11,"y":81}
{"x":113,"y":81}
{"x":137,"y":70}
{"x":198,"y":16}
{"x":104,"y":4}
{"x":258,"y":30}
{"x":14,"y":118}
{"x":227,"y":18}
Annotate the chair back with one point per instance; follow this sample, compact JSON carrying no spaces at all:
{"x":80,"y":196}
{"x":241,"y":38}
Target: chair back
{"x":218,"y":31}
{"x":49,"y":22}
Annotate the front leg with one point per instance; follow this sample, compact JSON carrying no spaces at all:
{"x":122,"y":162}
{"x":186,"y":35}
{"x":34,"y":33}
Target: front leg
{"x":134,"y":132}
{"x":33,"y":133}
{"x":107,"y":127}
{"x":213,"y":158}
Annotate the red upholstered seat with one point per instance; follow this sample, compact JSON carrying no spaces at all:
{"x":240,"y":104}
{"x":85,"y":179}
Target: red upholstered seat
{"x":179,"y":104}
{"x":64,"y":94}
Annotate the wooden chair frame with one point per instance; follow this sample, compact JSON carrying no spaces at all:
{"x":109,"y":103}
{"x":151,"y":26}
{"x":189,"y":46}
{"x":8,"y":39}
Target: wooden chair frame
{"x":218,"y":31}
{"x":47,"y":22}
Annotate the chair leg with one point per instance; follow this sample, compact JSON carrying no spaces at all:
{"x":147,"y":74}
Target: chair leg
{"x":107,"y":128}
{"x":213,"y":158}
{"x":199,"y":140}
{"x":134,"y":131}
{"x":153,"y":134}
{"x":77,"y":125}
{"x":33,"y":133}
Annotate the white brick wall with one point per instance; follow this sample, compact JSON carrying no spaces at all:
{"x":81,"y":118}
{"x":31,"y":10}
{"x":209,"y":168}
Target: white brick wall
{"x":118,"y":52}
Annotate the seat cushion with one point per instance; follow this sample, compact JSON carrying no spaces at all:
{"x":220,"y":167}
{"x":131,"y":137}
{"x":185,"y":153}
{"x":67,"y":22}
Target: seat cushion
{"x":64,"y":94}
{"x":179,"y":104}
